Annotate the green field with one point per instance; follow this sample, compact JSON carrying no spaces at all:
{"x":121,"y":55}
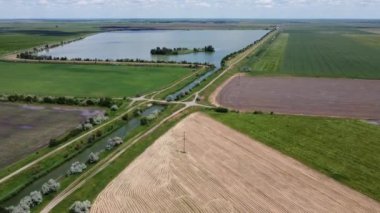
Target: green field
{"x":85,"y":80}
{"x":16,"y":36}
{"x":346,"y":150}
{"x":319,"y":52}
{"x":268,"y":60}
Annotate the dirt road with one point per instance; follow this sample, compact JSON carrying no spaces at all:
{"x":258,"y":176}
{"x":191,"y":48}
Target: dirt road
{"x":222,"y":171}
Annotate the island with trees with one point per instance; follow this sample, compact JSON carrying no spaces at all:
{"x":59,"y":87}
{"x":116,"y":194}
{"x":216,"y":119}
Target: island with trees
{"x":181,"y":50}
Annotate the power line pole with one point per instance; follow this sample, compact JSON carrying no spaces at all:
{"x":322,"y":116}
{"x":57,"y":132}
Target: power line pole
{"x":184,"y":142}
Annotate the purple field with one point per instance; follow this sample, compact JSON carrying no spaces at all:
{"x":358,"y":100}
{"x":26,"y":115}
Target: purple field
{"x":26,"y":128}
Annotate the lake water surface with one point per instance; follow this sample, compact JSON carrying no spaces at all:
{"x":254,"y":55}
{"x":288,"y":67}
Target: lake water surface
{"x":137,"y":44}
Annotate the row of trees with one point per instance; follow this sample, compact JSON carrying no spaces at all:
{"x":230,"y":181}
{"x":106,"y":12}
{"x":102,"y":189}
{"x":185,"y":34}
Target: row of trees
{"x":34,"y":198}
{"x":229,"y":56}
{"x":77,"y":167}
{"x":47,"y":46}
{"x":185,"y":92}
{"x":191,"y":64}
{"x":86,"y":125}
{"x":32,"y":56}
{"x":62,"y":100}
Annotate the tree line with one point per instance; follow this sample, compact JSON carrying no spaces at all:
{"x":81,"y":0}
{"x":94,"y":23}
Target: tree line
{"x":62,"y":100}
{"x":231,"y":55}
{"x":179,"y":50}
{"x":32,"y":56}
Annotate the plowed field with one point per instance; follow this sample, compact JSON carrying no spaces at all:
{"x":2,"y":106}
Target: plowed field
{"x":307,"y":96}
{"x":222,"y":171}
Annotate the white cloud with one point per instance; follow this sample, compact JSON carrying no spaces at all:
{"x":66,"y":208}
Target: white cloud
{"x":189,"y":8}
{"x":206,"y":3}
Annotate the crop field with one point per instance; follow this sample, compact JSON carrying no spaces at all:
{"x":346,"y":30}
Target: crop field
{"x":270,"y":60}
{"x":85,"y":80}
{"x":352,"y":98}
{"x":222,"y":171}
{"x":343,"y":149}
{"x":20,"y":35}
{"x":303,"y":136}
{"x":319,"y":52}
{"x":26,"y":128}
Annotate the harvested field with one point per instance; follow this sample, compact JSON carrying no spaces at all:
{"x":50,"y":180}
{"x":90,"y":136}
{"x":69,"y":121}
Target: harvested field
{"x":308,"y":96}
{"x":222,"y":171}
{"x":26,"y":128}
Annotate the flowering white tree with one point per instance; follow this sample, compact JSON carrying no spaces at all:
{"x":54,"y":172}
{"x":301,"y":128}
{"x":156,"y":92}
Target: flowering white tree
{"x":36,"y":197}
{"x":50,"y":186}
{"x":81,"y":207}
{"x":76,"y":168}
{"x":93,"y":158}
{"x":113,"y":142}
{"x":114,"y":107}
{"x":26,"y":203}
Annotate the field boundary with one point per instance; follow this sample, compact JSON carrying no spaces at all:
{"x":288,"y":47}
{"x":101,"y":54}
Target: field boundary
{"x":232,"y":175}
{"x":213,"y":97}
{"x":326,"y":97}
{"x":13,"y":59}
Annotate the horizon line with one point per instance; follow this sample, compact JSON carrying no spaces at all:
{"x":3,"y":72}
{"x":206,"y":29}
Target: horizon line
{"x":190,"y":18}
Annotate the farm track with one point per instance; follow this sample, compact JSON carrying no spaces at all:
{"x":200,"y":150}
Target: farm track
{"x":103,"y":164}
{"x":215,"y":94}
{"x":222,"y":171}
{"x":18,"y":171}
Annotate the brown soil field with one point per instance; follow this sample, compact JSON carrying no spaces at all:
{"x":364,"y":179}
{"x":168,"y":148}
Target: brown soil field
{"x":26,"y":128}
{"x":352,"y":98}
{"x":214,"y":94}
{"x":222,"y":171}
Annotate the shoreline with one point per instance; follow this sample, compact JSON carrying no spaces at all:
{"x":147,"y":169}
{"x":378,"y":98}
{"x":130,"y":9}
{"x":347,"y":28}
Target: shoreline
{"x":12,"y":58}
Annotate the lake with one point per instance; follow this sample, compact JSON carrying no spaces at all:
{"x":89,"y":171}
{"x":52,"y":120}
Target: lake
{"x":137,"y":44}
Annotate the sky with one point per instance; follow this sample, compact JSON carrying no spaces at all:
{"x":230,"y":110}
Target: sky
{"x":71,"y":9}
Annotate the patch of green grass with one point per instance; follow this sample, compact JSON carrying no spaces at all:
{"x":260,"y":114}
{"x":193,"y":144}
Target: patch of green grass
{"x":85,"y":80}
{"x":268,"y":59}
{"x":346,"y":150}
{"x":371,"y":40}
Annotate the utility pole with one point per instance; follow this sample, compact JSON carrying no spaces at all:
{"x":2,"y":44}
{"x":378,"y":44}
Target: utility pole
{"x":184,"y":142}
